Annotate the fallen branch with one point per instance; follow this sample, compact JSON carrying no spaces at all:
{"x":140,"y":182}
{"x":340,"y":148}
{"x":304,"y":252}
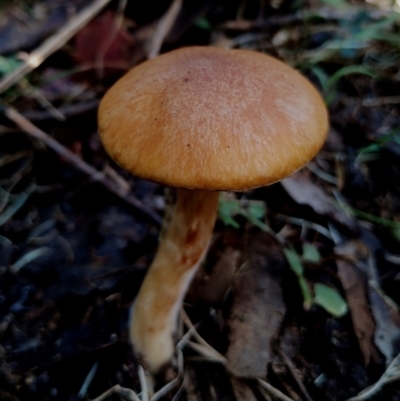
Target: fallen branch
{"x":163,"y":28}
{"x":80,"y":164}
{"x":52,"y":44}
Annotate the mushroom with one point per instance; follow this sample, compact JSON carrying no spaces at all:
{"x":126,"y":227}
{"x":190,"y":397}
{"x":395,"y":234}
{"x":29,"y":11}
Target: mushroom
{"x":203,"y":120}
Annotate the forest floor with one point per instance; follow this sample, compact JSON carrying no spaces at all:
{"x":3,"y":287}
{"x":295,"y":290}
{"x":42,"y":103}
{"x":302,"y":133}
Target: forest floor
{"x":299,"y":296}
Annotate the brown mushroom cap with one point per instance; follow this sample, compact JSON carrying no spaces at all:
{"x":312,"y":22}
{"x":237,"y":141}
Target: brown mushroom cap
{"x":212,"y":119}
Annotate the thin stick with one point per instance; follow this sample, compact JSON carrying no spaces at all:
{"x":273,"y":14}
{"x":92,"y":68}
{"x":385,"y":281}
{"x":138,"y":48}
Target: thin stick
{"x":143,"y":383}
{"x":292,"y":369}
{"x":380,"y":101}
{"x":118,"y":20}
{"x":199,"y":338}
{"x":166,"y":389}
{"x":53,"y":43}
{"x":88,"y":380}
{"x":203,"y":348}
{"x":125,"y":393}
{"x":163,"y":28}
{"x":273,"y":391}
{"x":80,"y":164}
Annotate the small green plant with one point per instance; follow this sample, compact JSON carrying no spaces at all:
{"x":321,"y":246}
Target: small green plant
{"x":8,"y":64}
{"x":253,"y":211}
{"x":321,"y":294}
{"x":371,"y":152}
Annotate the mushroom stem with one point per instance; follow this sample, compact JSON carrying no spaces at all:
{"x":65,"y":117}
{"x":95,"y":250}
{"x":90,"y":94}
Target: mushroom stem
{"x":184,"y":243}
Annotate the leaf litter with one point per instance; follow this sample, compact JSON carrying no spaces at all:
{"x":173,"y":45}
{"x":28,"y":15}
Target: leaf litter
{"x":266,"y":315}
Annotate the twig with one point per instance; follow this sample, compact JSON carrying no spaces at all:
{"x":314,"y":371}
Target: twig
{"x":17,"y":204}
{"x":163,"y":28}
{"x":125,"y":393}
{"x":392,"y":373}
{"x":327,"y":13}
{"x":118,"y":20}
{"x":292,"y":369}
{"x":308,"y":224}
{"x":80,"y":164}
{"x":143,"y":383}
{"x":380,"y":101}
{"x":273,"y":391}
{"x":207,"y":352}
{"x":203,"y":347}
{"x":67,"y":111}
{"x":166,"y":389}
{"x":181,"y":389}
{"x":88,"y":380}
{"x":52,"y":44}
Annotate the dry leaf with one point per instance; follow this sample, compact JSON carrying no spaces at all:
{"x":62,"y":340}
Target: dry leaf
{"x":354,"y":282}
{"x":387,"y":317}
{"x":211,"y":283}
{"x":305,"y":192}
{"x":258,"y":307}
{"x":101,"y":40}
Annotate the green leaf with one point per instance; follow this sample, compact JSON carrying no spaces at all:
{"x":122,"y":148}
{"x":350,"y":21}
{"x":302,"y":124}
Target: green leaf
{"x":256,"y":210}
{"x":396,"y":233}
{"x":320,"y":74}
{"x":8,"y":64}
{"x":332,"y":81}
{"x":330,"y":300}
{"x":310,"y":253}
{"x":203,"y":23}
{"x":226,"y":210}
{"x":294,"y":261}
{"x":338,"y":4}
{"x":350,"y":69}
{"x":373,"y":148}
{"x":306,"y":292}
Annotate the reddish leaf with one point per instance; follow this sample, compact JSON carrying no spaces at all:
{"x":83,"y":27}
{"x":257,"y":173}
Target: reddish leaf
{"x":102,"y":41}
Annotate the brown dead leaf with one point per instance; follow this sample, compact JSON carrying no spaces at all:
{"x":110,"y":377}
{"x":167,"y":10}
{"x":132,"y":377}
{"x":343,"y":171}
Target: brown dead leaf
{"x":381,"y":330}
{"x":386,"y":314}
{"x":258,"y":306}
{"x":214,"y":278}
{"x":354,"y":282}
{"x":302,"y":190}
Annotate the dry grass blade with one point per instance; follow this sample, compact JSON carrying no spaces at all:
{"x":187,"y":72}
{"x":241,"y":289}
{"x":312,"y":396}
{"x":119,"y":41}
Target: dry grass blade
{"x":85,"y":386}
{"x":80,"y":164}
{"x":118,"y":21}
{"x":381,"y":101}
{"x":163,"y":28}
{"x":166,"y":389}
{"x":124,"y":393}
{"x":203,"y":347}
{"x":52,"y":44}
{"x":273,"y":391}
{"x":292,"y":368}
{"x":143,"y":384}
{"x":207,"y":352}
